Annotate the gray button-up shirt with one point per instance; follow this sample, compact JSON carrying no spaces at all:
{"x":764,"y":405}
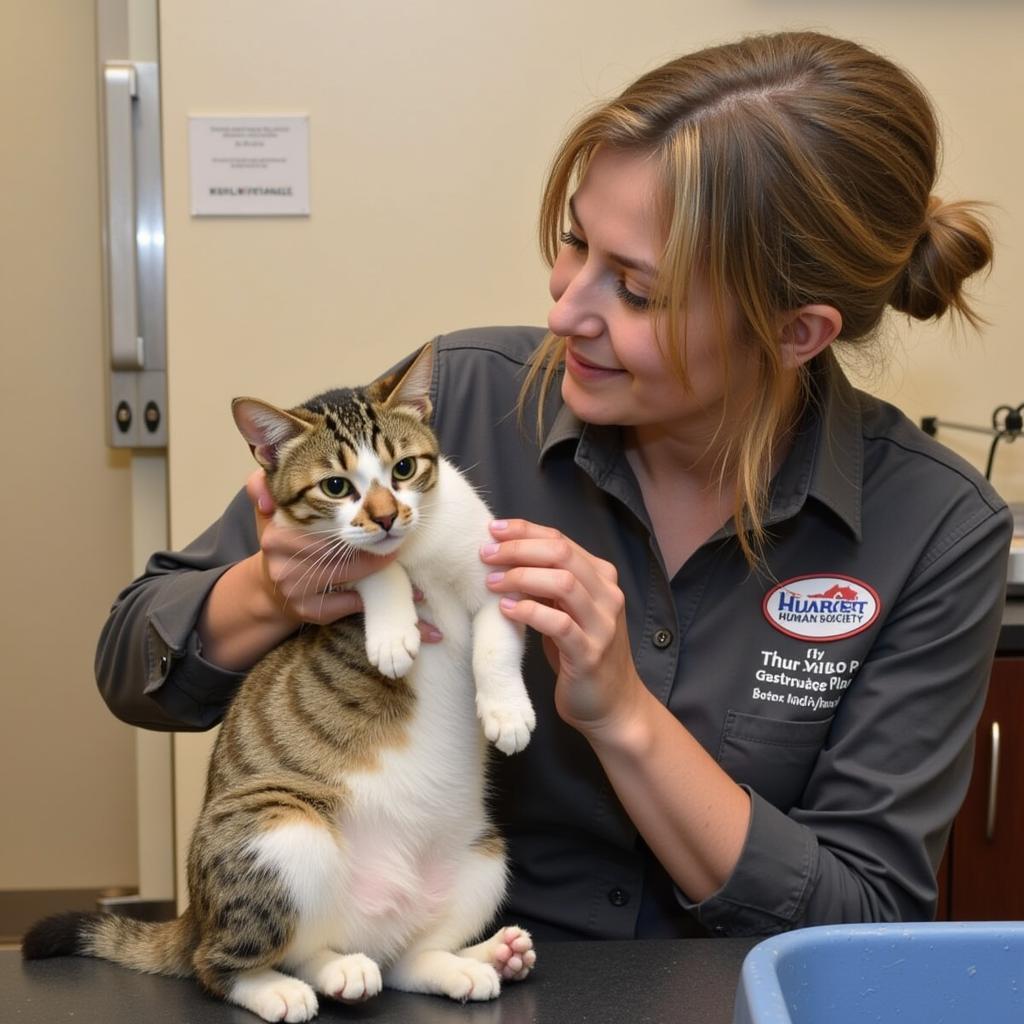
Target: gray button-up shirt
{"x":840,"y":684}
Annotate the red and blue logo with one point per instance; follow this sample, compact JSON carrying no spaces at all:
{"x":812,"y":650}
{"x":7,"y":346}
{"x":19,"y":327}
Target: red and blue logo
{"x":821,"y":607}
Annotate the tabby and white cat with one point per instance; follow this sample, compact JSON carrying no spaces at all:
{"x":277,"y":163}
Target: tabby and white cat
{"x":344,"y":838}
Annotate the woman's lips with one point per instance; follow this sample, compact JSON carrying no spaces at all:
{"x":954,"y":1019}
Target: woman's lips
{"x":583,"y":369}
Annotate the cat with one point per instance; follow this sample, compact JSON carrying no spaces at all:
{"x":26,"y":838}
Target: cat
{"x":344,"y":843}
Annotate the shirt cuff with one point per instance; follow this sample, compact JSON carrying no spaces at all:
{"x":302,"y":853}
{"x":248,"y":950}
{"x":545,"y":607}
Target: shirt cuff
{"x":178,"y":678}
{"x":771,"y":883}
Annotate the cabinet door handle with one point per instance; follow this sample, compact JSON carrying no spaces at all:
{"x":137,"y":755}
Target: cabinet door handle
{"x":993,"y":784}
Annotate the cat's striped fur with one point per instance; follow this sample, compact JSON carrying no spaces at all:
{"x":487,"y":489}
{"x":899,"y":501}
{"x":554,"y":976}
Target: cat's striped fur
{"x":344,"y":841}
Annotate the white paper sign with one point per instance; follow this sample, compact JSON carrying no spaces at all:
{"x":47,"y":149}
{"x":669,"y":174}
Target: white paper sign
{"x":249,"y":166}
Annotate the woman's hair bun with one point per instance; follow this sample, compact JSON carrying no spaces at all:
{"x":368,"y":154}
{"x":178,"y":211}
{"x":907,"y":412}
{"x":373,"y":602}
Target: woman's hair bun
{"x":954,"y":244}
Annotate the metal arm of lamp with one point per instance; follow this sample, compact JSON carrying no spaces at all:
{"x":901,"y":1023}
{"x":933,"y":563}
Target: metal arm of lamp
{"x":1007,"y":425}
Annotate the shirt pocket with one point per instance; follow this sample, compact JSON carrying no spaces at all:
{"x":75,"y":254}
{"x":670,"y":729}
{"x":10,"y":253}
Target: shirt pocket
{"x":772,"y":756}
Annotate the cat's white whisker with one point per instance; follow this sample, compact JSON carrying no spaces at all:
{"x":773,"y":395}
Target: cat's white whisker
{"x":337,"y":561}
{"x":315,"y":573}
{"x":303,"y":553}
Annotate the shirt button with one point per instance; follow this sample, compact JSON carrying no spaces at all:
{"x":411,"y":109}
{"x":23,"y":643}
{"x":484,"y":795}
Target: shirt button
{"x":662,"y":638}
{"x":163,"y":665}
{"x":618,"y":897}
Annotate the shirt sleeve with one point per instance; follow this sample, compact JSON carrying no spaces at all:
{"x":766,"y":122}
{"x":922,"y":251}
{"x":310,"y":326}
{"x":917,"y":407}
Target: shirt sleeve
{"x":866,"y":840}
{"x":149,"y":663}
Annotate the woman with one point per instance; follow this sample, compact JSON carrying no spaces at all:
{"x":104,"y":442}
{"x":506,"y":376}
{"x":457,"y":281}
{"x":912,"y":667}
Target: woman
{"x":768,"y":602}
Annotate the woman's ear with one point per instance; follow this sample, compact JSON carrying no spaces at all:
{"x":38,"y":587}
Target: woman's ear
{"x":808,"y":331}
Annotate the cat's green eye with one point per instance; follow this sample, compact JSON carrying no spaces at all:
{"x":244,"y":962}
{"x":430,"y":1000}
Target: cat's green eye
{"x":336,"y":487}
{"x":403,"y":469}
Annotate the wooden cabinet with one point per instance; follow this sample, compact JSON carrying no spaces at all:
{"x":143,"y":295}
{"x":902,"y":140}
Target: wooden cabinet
{"x":985,"y":858}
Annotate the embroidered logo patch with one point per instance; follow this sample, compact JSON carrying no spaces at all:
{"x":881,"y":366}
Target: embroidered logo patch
{"x":821,"y":607}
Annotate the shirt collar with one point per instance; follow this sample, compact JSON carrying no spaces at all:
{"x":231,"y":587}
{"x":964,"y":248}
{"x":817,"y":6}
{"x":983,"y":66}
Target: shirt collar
{"x":825,"y":462}
{"x":564,"y":427}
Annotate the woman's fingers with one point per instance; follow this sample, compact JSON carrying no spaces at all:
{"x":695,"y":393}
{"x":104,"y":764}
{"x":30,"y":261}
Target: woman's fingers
{"x":262,"y":501}
{"x":554,"y":623}
{"x":560,"y":588}
{"x":563,"y":592}
{"x":542,"y":563}
{"x":321,"y":608}
{"x":556,"y":553}
{"x":429,"y":633}
{"x":521,"y":532}
{"x":507,"y":529}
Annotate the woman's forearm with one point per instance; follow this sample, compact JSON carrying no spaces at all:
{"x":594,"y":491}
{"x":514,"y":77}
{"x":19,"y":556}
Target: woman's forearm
{"x":691,"y":814}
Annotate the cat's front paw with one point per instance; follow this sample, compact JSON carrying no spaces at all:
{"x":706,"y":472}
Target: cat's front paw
{"x":274,"y":996}
{"x":466,"y":979}
{"x":352,"y":978}
{"x":507,"y":720}
{"x":392,"y":652}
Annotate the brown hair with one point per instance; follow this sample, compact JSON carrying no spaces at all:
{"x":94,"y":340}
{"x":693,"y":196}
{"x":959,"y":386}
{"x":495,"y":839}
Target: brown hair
{"x":796,"y":169}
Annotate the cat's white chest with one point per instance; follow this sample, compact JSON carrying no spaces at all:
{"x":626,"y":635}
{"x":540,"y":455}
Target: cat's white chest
{"x":435,"y":771}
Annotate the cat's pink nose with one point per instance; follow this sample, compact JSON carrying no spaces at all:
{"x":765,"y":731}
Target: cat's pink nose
{"x":385,"y":522}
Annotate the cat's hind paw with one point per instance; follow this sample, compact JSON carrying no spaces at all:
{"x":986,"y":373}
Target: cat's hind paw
{"x":514,"y":955}
{"x":392,"y":652}
{"x":507,"y":724}
{"x":509,"y":951}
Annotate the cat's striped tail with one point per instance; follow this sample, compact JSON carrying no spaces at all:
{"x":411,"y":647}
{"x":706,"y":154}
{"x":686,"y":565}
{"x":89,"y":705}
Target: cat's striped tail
{"x":164,"y":948}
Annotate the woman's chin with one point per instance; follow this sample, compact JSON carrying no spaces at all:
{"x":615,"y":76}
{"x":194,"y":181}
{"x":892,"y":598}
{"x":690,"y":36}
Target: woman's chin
{"x":588,"y":405}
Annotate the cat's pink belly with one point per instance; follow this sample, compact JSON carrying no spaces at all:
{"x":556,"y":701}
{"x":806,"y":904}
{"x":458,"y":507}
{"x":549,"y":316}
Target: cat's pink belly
{"x":416,"y":891}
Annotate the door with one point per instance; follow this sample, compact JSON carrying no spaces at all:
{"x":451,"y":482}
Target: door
{"x":67,"y":767}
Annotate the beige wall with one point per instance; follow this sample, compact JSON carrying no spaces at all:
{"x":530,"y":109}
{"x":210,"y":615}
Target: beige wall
{"x":431,"y":127}
{"x":67,"y":768}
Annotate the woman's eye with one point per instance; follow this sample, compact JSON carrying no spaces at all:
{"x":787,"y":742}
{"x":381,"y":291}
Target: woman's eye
{"x":573,"y":241}
{"x":336,"y":487}
{"x":631,"y":299}
{"x":403,"y":469}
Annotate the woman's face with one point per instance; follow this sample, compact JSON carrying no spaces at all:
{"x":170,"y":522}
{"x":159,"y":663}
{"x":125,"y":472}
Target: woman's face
{"x":615,"y":371}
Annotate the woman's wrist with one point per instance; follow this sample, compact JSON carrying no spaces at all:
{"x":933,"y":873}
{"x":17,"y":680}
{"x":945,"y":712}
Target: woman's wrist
{"x":241,"y":620}
{"x":630,"y":732}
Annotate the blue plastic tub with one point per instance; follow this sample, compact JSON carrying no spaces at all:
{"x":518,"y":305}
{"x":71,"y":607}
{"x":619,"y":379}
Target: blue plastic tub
{"x":942,"y":973}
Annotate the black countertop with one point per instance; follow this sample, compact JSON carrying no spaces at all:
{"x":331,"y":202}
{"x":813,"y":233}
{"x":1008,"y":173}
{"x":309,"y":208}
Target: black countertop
{"x":1011,"y":636}
{"x":639,"y":982}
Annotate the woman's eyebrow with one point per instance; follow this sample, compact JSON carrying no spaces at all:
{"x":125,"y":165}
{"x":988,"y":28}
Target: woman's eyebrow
{"x":625,"y":261}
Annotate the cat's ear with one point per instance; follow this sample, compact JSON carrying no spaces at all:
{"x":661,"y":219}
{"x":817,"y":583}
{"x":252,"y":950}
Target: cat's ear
{"x":266,"y":428}
{"x":408,"y":389}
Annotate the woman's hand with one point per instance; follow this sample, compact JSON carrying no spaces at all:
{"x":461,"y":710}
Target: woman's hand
{"x":573,"y":600}
{"x":308,"y":575}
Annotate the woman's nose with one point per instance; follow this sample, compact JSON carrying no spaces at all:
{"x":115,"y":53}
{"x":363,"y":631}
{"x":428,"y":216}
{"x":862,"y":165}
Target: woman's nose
{"x":574,"y":313}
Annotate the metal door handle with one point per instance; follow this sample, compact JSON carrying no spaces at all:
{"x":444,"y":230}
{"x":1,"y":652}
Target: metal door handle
{"x":993,"y":784}
{"x":126,"y":347}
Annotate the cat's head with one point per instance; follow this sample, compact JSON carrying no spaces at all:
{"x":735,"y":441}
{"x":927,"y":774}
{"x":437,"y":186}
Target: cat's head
{"x":357,"y":462}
